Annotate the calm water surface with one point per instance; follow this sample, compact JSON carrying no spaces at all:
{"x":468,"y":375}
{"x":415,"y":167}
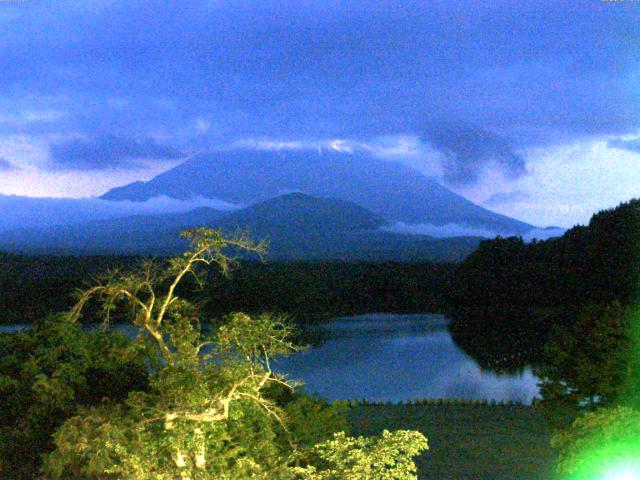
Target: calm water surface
{"x":398,"y":357}
{"x":386,"y":357}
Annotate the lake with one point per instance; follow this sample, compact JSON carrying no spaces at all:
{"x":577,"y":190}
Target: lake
{"x":386,"y":357}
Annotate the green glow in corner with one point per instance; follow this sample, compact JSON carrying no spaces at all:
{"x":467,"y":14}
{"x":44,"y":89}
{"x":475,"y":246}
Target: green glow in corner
{"x":605,"y":444}
{"x":625,"y":472}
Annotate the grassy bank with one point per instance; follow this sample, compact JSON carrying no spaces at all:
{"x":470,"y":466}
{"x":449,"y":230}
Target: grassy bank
{"x":480,"y":442}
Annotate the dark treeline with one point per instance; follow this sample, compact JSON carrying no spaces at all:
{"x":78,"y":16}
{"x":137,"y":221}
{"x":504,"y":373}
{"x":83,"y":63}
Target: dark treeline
{"x":510,"y":300}
{"x":33,"y":286}
{"x":332,"y":288}
{"x":593,"y":263}
{"x":505,"y":300}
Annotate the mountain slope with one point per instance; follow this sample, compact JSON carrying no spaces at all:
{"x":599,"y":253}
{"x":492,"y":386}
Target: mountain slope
{"x":297,"y":226}
{"x":388,"y":189}
{"x":298,"y":214}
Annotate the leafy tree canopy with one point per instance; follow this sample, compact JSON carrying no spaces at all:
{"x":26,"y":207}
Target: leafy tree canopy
{"x":586,"y":362}
{"x":47,"y":373}
{"x":213,"y":407}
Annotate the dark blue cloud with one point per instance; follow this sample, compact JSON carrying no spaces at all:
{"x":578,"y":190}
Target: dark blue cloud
{"x":532,"y":71}
{"x":108,"y":151}
{"x":468,"y":151}
{"x":7,"y":166}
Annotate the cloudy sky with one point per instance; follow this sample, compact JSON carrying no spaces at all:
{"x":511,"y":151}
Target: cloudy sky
{"x":530,"y":108}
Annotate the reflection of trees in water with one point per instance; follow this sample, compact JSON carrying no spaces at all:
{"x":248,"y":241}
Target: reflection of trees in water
{"x":501,"y":339}
{"x":310,"y":337}
{"x":314,"y":331}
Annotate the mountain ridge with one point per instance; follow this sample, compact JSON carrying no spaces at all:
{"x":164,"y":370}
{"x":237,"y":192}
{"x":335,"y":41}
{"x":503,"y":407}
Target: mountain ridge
{"x":390,"y":189}
{"x":298,"y":227}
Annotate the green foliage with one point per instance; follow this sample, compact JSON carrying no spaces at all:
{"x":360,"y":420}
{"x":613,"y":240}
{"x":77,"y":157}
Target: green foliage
{"x":47,"y":373}
{"x":128,"y":442}
{"x":599,"y":442}
{"x":205,"y":414}
{"x":311,"y":420}
{"x":598,"y":263}
{"x":386,"y":457}
{"x":585,"y":363}
{"x":213,"y":407}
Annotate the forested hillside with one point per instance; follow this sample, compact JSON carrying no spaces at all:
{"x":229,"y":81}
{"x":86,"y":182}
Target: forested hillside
{"x":594,"y":263}
{"x":545,"y":303}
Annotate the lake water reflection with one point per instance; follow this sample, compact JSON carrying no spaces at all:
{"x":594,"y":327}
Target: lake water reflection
{"x":384,"y":357}
{"x":398,"y":357}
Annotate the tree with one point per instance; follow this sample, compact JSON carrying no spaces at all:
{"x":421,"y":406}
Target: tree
{"x":212,"y":409}
{"x":50,"y":371}
{"x":593,"y":371}
{"x":387,"y":457}
{"x":586,"y":362}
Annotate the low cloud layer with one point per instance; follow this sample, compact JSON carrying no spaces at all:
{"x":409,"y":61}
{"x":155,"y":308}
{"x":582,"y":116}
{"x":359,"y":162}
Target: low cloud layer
{"x":461,"y":230}
{"x":108,"y":152}
{"x":492,"y":81}
{"x":25,"y":212}
{"x":440,"y":231}
{"x":543,"y":233}
{"x":469,"y":151}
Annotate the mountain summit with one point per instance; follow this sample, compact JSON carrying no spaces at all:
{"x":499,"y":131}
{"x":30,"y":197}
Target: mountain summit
{"x":297,"y":213}
{"x":391,"y":190}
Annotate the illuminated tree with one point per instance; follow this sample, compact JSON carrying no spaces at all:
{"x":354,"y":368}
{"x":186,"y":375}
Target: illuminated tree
{"x":212,"y":408}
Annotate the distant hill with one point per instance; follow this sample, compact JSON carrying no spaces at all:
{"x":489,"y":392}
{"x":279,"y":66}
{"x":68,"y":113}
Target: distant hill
{"x":298,"y":214}
{"x":389,"y":189}
{"x":297,"y":226}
